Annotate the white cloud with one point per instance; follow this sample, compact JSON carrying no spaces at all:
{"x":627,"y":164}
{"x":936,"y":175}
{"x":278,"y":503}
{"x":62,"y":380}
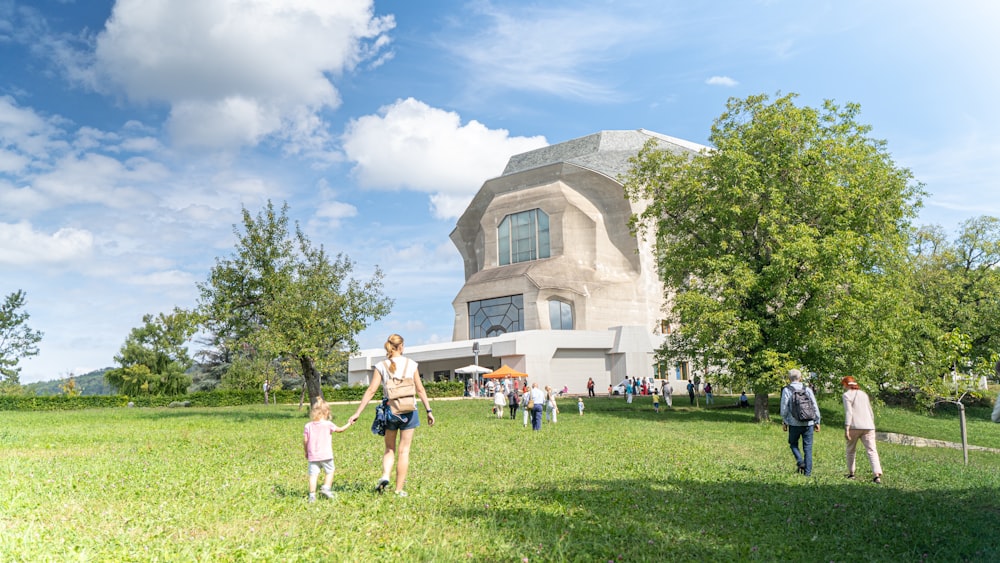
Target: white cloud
{"x":96,"y":178}
{"x":141,"y":144}
{"x":21,"y":244}
{"x":721,"y":81}
{"x":169,"y":278}
{"x":18,"y":202}
{"x":410,"y":145}
{"x":11,"y":161}
{"x":336,"y":210}
{"x":234,"y":72}
{"x":554,"y":50}
{"x":23,"y":131}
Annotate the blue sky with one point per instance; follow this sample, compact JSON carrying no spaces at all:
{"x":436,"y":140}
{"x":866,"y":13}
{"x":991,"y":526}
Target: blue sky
{"x":132,"y":131}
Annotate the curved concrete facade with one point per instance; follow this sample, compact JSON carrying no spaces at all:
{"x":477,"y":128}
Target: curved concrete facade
{"x":594,"y":269}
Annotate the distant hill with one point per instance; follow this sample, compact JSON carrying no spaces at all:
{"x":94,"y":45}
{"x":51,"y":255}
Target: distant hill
{"x":89,"y":384}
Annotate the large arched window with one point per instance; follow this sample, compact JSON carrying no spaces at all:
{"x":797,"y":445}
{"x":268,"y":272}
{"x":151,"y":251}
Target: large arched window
{"x":492,"y":317}
{"x":560,"y":315}
{"x":523,"y":236}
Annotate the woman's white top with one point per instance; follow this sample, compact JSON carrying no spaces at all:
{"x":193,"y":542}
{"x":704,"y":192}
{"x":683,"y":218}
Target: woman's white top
{"x":858,"y":413}
{"x":405,"y":368}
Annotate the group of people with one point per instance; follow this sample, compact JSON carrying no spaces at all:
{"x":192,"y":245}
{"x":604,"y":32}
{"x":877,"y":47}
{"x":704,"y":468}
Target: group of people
{"x":799,"y":410}
{"x":692,"y":389}
{"x":859,"y":424}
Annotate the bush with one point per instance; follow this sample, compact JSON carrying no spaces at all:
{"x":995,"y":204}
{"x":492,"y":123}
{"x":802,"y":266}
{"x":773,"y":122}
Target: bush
{"x":910,"y":397}
{"x":218,"y":398}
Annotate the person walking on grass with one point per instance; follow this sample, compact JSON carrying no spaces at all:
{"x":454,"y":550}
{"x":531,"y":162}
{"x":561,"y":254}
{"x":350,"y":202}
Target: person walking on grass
{"x":590,"y":386}
{"x":859,"y":424}
{"x":668,"y":394}
{"x":691,"y":390}
{"x":318,"y":444}
{"x":513,"y":400}
{"x":525,"y":400}
{"x":656,"y":401}
{"x":798,"y":420}
{"x":551,"y":409}
{"x":267,"y":390}
{"x":708,"y":394}
{"x":579,"y":404}
{"x":396,"y":368}
{"x":537,"y":400}
{"x":499,"y":402}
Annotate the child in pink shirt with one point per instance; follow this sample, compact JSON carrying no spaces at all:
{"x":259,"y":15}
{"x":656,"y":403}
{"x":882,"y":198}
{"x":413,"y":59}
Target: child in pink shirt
{"x":318,"y":445}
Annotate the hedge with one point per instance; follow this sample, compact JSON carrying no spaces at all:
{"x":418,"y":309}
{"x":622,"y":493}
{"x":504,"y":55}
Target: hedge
{"x":218,"y":398}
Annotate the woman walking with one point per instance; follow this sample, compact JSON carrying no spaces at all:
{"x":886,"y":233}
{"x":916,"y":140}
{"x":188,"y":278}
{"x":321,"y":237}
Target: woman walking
{"x":859,"y":424}
{"x":395,"y":370}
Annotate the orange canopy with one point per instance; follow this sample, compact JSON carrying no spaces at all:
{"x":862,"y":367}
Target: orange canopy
{"x":505,"y":371}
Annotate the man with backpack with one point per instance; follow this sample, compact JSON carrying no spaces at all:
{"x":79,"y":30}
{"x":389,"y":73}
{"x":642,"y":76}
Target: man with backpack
{"x":800,"y":416}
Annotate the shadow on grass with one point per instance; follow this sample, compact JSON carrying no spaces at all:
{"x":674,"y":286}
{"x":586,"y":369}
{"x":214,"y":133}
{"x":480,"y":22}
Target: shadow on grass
{"x":235,"y":414}
{"x":678,"y":519}
{"x":284,"y":491}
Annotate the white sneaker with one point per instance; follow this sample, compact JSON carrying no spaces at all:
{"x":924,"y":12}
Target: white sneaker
{"x":328,"y":493}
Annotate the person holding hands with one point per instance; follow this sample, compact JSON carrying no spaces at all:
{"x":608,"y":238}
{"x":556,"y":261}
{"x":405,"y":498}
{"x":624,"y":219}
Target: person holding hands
{"x":389,"y":374}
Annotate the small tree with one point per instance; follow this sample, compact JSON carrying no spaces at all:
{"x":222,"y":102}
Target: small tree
{"x":154,"y":358}
{"x":70,"y":388}
{"x":281,"y":297}
{"x":17,"y":340}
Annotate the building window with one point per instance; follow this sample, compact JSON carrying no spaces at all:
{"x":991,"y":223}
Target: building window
{"x":560,"y":315}
{"x":492,"y":317}
{"x":522,"y":237}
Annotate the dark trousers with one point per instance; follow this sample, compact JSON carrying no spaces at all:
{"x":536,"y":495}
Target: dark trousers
{"x":805,"y":457}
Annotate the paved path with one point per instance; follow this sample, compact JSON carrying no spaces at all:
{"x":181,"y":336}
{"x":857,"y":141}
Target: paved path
{"x":905,"y":440}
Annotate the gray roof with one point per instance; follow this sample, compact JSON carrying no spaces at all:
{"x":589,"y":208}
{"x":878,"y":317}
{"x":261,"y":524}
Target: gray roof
{"x":606,"y":152}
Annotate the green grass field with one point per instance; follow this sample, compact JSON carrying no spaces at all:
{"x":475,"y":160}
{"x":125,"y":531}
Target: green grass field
{"x":618,"y":484}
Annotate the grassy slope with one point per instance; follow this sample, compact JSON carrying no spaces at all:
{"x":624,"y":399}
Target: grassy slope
{"x":620,"y":483}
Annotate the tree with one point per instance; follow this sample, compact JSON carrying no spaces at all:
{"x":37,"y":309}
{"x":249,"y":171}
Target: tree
{"x":70,"y":388}
{"x":281,"y":297}
{"x":959,"y":302}
{"x":154,"y":359}
{"x":17,"y":340}
{"x":785,"y":244}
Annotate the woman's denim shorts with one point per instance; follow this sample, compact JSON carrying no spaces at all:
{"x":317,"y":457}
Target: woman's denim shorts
{"x":402,"y":421}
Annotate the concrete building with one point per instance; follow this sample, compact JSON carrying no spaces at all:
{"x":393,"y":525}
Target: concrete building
{"x":556,"y":285}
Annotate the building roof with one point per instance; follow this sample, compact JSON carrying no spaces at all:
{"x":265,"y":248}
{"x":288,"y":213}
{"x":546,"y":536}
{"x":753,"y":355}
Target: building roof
{"x":605,"y":152}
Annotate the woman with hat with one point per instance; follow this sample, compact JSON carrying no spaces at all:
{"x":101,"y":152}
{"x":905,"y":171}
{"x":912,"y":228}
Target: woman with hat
{"x":859,"y":424}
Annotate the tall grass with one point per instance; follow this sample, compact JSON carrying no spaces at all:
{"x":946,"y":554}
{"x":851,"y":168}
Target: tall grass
{"x":618,"y":484}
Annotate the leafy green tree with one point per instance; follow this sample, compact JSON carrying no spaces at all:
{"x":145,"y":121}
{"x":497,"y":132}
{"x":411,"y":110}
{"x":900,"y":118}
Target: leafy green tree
{"x":17,"y":340}
{"x":958,"y":289}
{"x":779,"y":245}
{"x":280,"y":297}
{"x":154,"y":359}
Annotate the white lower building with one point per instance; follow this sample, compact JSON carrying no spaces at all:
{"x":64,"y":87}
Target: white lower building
{"x":557,"y":286}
